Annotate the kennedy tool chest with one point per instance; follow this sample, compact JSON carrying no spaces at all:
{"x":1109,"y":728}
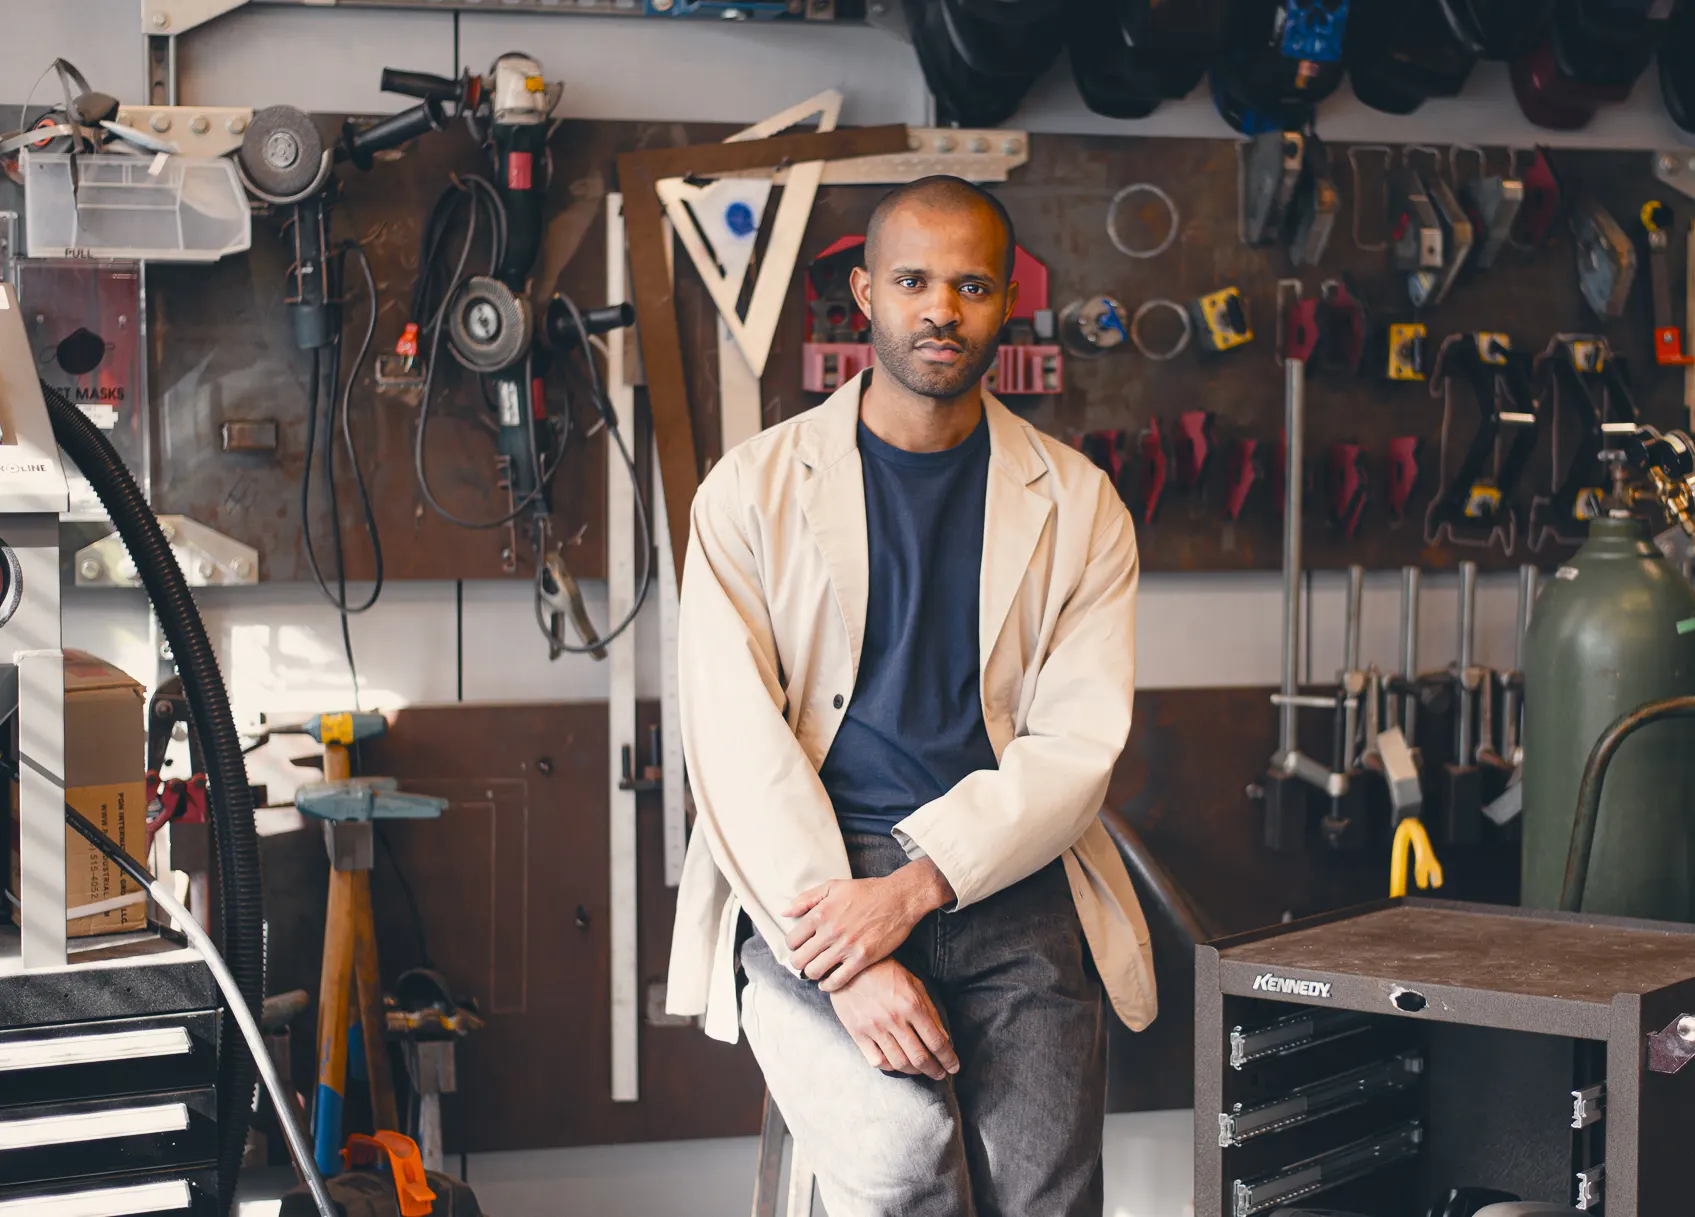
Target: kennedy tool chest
{"x":114,"y":1111}
{"x":1375,"y":1058}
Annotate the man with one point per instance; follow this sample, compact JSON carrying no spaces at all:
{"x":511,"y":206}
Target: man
{"x":906,"y":665}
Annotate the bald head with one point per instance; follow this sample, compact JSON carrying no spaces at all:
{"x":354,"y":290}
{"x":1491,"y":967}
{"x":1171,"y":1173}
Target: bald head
{"x":946,"y":195}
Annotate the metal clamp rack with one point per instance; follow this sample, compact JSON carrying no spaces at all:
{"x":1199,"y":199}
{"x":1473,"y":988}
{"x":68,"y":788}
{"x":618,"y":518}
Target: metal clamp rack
{"x":1375,"y":1058}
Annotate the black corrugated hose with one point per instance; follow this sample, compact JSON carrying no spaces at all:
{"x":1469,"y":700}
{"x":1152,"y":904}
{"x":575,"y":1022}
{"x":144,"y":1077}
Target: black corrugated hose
{"x":230,"y":797}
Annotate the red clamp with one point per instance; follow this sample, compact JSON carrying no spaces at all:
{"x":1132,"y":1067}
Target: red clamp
{"x":1541,"y":206}
{"x":1194,"y":448}
{"x":1341,"y":323}
{"x":1300,"y":330}
{"x":1151,"y":448}
{"x":177,"y":799}
{"x":1403,"y":475}
{"x":407,"y":344}
{"x":1348,"y":487}
{"x":1243,"y":474}
{"x":1106,"y":450}
{"x":405,"y":1166}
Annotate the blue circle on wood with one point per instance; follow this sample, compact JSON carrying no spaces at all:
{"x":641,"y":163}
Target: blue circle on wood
{"x":738,"y":218}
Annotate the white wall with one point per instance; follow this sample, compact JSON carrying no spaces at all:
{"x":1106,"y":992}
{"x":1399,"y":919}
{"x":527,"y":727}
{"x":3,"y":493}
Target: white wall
{"x":280,"y":645}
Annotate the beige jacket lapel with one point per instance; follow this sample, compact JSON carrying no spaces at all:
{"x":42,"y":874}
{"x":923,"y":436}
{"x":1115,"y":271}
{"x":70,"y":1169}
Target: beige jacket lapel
{"x":1013,"y":520}
{"x":833,"y":499}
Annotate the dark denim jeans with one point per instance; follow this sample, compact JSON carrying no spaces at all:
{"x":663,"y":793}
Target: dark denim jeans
{"x":1017,"y":1132}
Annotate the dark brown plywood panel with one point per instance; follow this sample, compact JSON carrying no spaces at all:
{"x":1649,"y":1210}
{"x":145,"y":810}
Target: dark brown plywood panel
{"x":512,"y":885}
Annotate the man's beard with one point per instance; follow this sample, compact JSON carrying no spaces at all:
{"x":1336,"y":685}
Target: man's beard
{"x":898,"y":355}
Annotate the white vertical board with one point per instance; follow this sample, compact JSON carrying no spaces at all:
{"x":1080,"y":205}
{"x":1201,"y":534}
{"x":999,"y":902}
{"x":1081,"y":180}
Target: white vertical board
{"x":621,"y":696}
{"x":670,"y":694}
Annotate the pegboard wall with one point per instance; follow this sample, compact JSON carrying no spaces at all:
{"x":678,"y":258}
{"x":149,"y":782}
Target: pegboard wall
{"x":221,"y":351}
{"x":1059,"y":203}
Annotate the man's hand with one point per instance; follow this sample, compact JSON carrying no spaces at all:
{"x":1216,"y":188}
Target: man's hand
{"x":846,"y":925}
{"x":891,"y":1017}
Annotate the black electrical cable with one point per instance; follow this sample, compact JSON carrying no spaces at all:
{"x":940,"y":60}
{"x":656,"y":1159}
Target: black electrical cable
{"x":230,"y":796}
{"x":340,"y":418}
{"x":411,"y":900}
{"x":644,"y":524}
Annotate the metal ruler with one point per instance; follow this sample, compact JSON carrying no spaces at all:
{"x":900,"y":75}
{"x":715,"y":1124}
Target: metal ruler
{"x":621,"y":695}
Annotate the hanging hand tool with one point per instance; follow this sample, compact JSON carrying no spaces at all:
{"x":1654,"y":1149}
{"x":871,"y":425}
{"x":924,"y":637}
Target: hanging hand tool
{"x":1286,"y":798}
{"x":1092,"y":327}
{"x":1221,"y":320}
{"x":1241,"y":472}
{"x":1493,"y":203}
{"x":1273,"y":166}
{"x":1428,"y":288}
{"x":1541,"y":206}
{"x":1402,"y":481}
{"x":1459,"y":806}
{"x":1415,"y":230}
{"x":1194,"y":449}
{"x":1348,"y":479}
{"x":1475,"y":507}
{"x":1579,"y":364}
{"x":1107,"y":450}
{"x":1606,"y":259}
{"x":1315,"y":206}
{"x":1344,"y":825}
{"x":1341,"y":327}
{"x":1150,"y":449}
{"x":1668,"y":338}
{"x":1400,"y":351}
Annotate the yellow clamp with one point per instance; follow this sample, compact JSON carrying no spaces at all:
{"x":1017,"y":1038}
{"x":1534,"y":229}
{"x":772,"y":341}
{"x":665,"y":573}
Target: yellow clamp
{"x":1427,"y":871}
{"x":336,"y":728}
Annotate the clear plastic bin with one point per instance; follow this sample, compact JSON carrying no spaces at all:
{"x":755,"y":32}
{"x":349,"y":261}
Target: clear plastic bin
{"x":193,"y":209}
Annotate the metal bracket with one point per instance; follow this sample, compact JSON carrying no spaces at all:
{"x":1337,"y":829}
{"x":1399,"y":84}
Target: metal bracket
{"x":1677,"y":170}
{"x":975,"y":154}
{"x":196,"y":130}
{"x":1671,"y":1049}
{"x":173,"y":17}
{"x":1588,"y":1105}
{"x":1590,"y":1187}
{"x":208,"y":558}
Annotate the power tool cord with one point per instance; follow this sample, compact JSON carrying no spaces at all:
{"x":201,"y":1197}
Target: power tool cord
{"x":340,"y":395}
{"x":644,"y":524}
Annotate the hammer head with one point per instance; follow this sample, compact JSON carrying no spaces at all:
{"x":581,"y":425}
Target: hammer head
{"x":345,"y":728}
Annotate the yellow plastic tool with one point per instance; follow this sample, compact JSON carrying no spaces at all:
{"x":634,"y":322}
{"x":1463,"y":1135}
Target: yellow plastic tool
{"x":1427,"y":871}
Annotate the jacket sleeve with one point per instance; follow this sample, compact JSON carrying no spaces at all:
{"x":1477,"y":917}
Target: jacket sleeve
{"x":767,"y":818}
{"x":997,"y":826}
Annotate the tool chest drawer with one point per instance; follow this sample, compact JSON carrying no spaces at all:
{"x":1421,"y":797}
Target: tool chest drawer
{"x":177,"y":1193}
{"x":110,"y":1057}
{"x":1410,"y":1057}
{"x":85,"y":1139}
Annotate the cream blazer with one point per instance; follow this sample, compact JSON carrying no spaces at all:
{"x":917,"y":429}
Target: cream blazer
{"x":772,"y":620}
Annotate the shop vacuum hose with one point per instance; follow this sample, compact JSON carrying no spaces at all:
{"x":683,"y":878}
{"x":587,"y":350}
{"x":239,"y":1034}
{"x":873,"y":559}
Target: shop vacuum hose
{"x":230,"y":797}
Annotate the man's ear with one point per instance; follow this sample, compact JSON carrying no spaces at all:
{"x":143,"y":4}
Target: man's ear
{"x":859,"y":283}
{"x":1011,"y":300}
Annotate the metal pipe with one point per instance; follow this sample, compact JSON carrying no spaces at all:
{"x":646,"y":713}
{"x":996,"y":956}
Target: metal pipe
{"x":1468,"y":614}
{"x":1155,"y":884}
{"x":1306,"y":701}
{"x":1585,"y":822}
{"x":1351,"y":636}
{"x":1403,"y":706}
{"x":1294,"y":411}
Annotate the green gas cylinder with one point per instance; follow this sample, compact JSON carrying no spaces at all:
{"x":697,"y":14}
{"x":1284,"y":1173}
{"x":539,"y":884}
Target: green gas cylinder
{"x":1613,"y":629}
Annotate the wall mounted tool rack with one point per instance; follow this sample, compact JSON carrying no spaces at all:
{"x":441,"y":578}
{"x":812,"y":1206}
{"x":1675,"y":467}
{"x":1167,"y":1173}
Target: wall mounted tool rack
{"x":1375,"y":1058}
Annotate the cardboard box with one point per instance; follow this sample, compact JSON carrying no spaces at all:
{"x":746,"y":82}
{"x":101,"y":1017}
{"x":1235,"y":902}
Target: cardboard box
{"x":105,"y":779}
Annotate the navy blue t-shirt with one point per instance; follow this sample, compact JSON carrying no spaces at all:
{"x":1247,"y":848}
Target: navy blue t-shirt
{"x":915,"y":725}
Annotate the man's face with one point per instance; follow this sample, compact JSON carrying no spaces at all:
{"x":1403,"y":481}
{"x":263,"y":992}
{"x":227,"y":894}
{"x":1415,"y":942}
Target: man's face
{"x":937,"y":297}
